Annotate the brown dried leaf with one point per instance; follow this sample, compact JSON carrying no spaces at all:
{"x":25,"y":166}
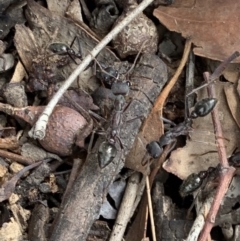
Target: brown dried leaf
{"x":200,"y":151}
{"x":57,"y":7}
{"x":19,"y":73}
{"x":233,"y":102}
{"x":74,"y":11}
{"x":212,"y":25}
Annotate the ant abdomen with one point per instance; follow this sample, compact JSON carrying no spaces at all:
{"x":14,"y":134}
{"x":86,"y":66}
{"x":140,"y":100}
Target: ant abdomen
{"x":203,"y":107}
{"x":191,"y":184}
{"x":58,"y":48}
{"x":106,"y":153}
{"x":154,"y":149}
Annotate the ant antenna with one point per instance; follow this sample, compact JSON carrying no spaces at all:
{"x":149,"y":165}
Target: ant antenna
{"x":217,"y":72}
{"x":135,"y":60}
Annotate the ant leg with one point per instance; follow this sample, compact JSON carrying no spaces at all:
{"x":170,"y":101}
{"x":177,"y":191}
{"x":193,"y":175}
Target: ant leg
{"x":168,"y":121}
{"x":73,"y":42}
{"x":79,"y":54}
{"x":70,"y":55}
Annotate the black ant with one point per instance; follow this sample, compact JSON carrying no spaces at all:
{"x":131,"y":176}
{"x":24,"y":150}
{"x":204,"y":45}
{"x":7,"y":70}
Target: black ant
{"x":109,"y":76}
{"x":107,"y":150}
{"x":64,"y":49}
{"x":194,"y":181}
{"x":201,"y":109}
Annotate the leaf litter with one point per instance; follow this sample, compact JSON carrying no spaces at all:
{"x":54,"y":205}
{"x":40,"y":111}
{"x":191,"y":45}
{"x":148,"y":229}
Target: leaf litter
{"x":211,"y":25}
{"x":200,"y":150}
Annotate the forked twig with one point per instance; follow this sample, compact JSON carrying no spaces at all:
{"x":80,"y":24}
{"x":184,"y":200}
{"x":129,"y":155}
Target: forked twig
{"x":38,"y":130}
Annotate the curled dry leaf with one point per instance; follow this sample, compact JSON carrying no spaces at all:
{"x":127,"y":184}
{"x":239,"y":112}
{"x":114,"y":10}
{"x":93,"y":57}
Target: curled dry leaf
{"x":213,"y":26}
{"x":103,"y":17}
{"x":200,"y":151}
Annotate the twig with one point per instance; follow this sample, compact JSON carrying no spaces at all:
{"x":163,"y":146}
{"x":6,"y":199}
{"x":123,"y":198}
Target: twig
{"x":16,"y":157}
{"x":189,"y":82}
{"x":150,"y":209}
{"x":200,"y":220}
{"x":125,"y":208}
{"x":38,"y":130}
{"x":227,"y":172}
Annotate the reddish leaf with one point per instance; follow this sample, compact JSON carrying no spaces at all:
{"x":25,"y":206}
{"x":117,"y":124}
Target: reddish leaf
{"x":212,"y":25}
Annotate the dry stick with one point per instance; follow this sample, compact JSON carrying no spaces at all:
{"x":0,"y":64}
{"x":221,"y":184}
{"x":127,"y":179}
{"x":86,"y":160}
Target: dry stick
{"x":16,"y":157}
{"x":38,"y":130}
{"x":189,"y":86}
{"x":227,"y":172}
{"x":150,"y":209}
{"x":200,"y":220}
{"x":74,"y":172}
{"x":125,"y":208}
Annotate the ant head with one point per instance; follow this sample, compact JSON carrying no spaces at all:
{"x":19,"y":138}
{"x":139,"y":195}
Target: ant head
{"x":154,"y":149}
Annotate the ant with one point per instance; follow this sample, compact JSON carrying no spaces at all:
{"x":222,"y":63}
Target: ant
{"x":201,"y":109}
{"x":196,"y":181}
{"x":64,"y":49}
{"x":107,"y":150}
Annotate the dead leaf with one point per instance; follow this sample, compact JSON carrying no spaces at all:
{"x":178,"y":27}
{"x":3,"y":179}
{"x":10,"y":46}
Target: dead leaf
{"x":200,"y":151}
{"x":19,"y":73}
{"x":57,"y":7}
{"x":74,"y":11}
{"x":212,"y":25}
{"x":233,"y":102}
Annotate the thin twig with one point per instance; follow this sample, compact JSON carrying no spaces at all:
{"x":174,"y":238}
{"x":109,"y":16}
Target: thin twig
{"x":38,"y":130}
{"x":189,"y":101}
{"x":150,"y":209}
